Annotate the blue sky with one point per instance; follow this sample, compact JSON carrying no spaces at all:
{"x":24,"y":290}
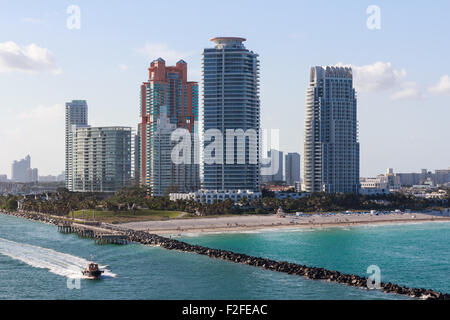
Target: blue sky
{"x":401,"y":70}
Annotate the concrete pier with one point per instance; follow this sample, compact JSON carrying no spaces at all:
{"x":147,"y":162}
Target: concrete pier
{"x":100,"y":236}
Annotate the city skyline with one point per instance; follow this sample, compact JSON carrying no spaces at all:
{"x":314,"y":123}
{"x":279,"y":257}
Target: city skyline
{"x":398,"y":97}
{"x":214,"y":153}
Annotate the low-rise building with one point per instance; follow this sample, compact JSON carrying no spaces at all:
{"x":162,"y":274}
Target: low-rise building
{"x":374,"y":186}
{"x":209,"y":196}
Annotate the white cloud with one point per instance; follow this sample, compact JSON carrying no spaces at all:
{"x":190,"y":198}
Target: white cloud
{"x":409,"y":91}
{"x":382,"y":76}
{"x":30,"y":59}
{"x":161,"y":50}
{"x":377,"y":76}
{"x":442,"y":87}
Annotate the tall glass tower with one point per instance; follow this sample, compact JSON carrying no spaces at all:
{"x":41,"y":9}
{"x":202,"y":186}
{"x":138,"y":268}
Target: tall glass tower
{"x":331,"y":148}
{"x":231,"y":102}
{"x":76,"y":115}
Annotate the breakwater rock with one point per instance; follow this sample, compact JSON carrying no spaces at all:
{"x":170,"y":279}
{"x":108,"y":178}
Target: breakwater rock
{"x":308,"y":272}
{"x":283,"y":266}
{"x":40,"y":217}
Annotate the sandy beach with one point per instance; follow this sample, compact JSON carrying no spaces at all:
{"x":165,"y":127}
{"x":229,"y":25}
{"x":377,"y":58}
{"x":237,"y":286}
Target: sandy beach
{"x":259,"y":222}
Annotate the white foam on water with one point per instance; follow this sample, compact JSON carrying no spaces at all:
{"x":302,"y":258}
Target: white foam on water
{"x":59,"y":263}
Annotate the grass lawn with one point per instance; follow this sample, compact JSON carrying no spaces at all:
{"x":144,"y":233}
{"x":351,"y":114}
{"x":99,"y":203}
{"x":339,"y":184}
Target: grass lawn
{"x":125,"y":216}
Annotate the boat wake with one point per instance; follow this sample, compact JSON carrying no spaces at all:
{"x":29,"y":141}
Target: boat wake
{"x":59,"y":263}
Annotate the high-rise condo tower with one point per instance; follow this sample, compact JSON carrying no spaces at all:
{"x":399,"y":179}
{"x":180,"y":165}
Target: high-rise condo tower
{"x":331,"y":148}
{"x":167,"y":89}
{"x":231,"y":103}
{"x":76,"y":115}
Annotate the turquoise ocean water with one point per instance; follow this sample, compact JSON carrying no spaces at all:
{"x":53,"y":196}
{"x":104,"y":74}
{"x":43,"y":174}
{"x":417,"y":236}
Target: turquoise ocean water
{"x":37,"y":262}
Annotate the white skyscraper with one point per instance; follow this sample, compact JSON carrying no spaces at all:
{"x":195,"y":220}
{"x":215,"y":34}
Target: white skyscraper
{"x":76,"y":115}
{"x":331,"y":148}
{"x":231,"y":102}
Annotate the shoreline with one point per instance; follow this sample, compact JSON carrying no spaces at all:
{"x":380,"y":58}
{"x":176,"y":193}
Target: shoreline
{"x":242,"y":224}
{"x":292,"y":227}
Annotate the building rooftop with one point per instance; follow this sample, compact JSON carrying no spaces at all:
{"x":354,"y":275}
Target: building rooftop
{"x":233,"y":42}
{"x":225,"y":39}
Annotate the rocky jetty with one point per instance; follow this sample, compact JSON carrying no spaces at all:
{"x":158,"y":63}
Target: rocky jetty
{"x":283,"y":266}
{"x":313,"y":273}
{"x":41,"y":217}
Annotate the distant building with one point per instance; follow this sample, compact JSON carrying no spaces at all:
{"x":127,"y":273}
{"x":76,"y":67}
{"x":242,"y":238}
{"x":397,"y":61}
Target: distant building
{"x":441,"y":176}
{"x":76,"y":115}
{"x":292,"y":168}
{"x":438,"y":177}
{"x":51,"y":178}
{"x":392,"y":180}
{"x":48,"y":178}
{"x":397,"y":180}
{"x":101,"y":158}
{"x":21,"y":171}
{"x":275,"y":159}
{"x":331,"y":148}
{"x":32,"y":175}
{"x":61,"y":177}
{"x":3,"y":178}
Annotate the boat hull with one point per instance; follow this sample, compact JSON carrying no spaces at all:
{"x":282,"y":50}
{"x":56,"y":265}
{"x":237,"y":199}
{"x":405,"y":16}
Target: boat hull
{"x":93,"y":274}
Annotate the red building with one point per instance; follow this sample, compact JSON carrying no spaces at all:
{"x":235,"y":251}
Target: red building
{"x":167,"y":86}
